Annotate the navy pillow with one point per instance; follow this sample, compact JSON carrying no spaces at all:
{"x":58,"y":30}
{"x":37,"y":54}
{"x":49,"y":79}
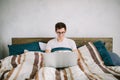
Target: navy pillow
{"x":61,"y":48}
{"x":103,"y":53}
{"x":17,"y":49}
{"x":115,"y":58}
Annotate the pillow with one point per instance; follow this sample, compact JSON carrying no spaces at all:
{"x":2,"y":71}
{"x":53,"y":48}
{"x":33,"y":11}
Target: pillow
{"x":42,"y":46}
{"x":61,"y":49}
{"x":60,"y":59}
{"x":26,"y":51}
{"x":115,"y":58}
{"x":17,"y":49}
{"x":103,"y":53}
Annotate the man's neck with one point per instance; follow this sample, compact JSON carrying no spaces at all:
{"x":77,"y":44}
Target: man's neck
{"x":60,"y":39}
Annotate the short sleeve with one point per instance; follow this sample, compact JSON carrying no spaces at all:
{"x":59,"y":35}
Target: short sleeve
{"x":73,"y":44}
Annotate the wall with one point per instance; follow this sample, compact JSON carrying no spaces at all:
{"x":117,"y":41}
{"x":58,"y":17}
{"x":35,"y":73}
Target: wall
{"x":36,"y":18}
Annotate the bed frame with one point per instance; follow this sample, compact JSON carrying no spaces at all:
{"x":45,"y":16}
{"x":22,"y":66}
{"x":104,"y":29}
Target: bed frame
{"x":79,"y":41}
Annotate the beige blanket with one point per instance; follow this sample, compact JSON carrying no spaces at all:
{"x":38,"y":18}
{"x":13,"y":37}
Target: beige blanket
{"x":29,"y":66}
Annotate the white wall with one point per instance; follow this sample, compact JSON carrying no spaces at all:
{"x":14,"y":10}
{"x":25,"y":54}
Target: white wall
{"x":36,"y":18}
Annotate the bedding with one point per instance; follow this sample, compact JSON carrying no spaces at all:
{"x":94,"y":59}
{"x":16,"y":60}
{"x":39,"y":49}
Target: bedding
{"x":30,"y":66}
{"x":115,"y":58}
{"x":15,"y":49}
{"x":103,"y":53}
{"x":42,"y":46}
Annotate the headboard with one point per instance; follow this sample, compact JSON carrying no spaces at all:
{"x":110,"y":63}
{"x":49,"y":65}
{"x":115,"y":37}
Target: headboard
{"x":79,"y":41}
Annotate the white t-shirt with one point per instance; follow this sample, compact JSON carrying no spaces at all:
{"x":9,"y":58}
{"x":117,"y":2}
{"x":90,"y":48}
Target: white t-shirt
{"x":68,"y":43}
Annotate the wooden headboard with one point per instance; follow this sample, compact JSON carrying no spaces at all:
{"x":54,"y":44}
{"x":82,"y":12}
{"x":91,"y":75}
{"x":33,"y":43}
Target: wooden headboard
{"x":79,"y":41}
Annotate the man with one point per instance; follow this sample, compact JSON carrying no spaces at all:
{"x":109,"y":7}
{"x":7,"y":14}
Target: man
{"x":61,"y":40}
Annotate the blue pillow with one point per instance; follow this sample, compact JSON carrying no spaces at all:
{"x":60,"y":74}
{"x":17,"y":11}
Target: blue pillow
{"x":61,"y":49}
{"x":115,"y":58}
{"x":103,"y":53}
{"x":17,"y":49}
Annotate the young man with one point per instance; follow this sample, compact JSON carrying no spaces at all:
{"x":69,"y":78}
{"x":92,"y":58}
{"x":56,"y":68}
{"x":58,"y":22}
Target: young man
{"x":61,"y":40}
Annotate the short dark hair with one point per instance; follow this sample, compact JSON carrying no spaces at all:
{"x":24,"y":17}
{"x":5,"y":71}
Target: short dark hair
{"x":60,"y":25}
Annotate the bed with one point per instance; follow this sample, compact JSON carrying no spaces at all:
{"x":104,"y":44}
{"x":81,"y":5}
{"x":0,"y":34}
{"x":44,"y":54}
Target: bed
{"x":29,"y":65}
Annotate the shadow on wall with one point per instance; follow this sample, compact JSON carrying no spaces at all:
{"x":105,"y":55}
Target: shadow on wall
{"x":1,"y":48}
{"x":0,"y":51}
{"x":3,"y":52}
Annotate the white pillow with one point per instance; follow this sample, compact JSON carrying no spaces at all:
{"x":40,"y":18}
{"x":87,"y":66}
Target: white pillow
{"x":42,"y":45}
{"x":60,"y":59}
{"x":26,"y":51}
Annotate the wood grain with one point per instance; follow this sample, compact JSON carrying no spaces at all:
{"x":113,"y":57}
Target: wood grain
{"x":79,"y":41}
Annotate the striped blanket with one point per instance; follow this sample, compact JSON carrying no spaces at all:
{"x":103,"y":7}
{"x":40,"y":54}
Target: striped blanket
{"x":29,"y":66}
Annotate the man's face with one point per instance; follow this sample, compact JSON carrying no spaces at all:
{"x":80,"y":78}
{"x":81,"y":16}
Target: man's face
{"x":60,"y":32}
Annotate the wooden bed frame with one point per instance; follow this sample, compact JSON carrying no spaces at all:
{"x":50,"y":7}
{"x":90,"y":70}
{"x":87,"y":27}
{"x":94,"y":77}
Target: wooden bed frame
{"x":79,"y":41}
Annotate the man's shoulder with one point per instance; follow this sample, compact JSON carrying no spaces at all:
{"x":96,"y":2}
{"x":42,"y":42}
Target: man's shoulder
{"x":52,"y":40}
{"x":71,"y":40}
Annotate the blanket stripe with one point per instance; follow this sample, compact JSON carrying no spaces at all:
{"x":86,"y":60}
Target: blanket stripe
{"x":102,"y":66}
{"x":57,"y":73}
{"x":40,"y":65}
{"x":41,"y":61}
{"x":13,"y":62}
{"x":95,"y":58}
{"x":85,"y":67}
{"x":43,"y":75}
{"x":19,"y":59}
{"x":92,"y":53}
{"x":90,"y":66}
{"x":2,"y":77}
{"x":36,"y":76}
{"x":20,"y":67}
{"x":68,"y":73}
{"x":9,"y":74}
{"x":71,"y":76}
{"x":65,"y":75}
{"x":35,"y":66}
